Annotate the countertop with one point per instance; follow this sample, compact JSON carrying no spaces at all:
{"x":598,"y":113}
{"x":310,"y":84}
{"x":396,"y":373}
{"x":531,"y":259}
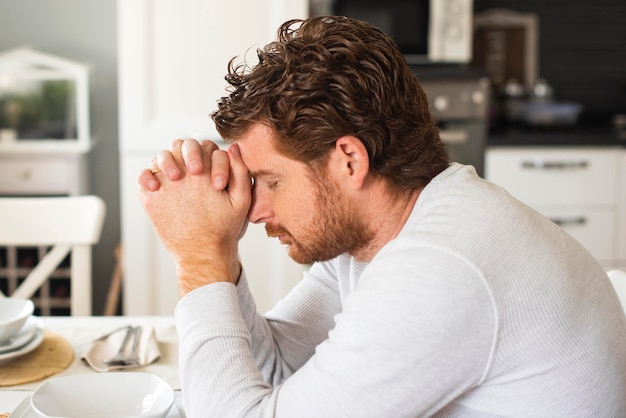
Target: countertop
{"x":582,"y":135}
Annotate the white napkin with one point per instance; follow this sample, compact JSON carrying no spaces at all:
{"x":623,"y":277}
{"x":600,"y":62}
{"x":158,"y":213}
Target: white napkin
{"x":107,"y":347}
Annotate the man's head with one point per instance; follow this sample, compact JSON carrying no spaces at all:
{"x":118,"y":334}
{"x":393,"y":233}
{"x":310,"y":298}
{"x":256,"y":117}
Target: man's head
{"x":317,"y":216}
{"x":328,"y":77}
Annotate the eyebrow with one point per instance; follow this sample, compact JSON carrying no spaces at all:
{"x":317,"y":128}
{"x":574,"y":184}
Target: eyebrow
{"x":261,"y":173}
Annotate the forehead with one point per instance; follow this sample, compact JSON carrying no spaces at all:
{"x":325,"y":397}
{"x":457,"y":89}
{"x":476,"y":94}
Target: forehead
{"x":260,"y":155}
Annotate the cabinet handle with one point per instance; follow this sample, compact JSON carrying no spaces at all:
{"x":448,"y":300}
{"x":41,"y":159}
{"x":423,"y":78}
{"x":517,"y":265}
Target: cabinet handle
{"x":26,"y":175}
{"x":555,"y":165}
{"x":576,"y":221}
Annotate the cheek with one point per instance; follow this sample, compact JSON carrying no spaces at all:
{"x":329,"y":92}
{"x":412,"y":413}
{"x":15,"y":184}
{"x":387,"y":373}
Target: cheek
{"x":296,"y":206}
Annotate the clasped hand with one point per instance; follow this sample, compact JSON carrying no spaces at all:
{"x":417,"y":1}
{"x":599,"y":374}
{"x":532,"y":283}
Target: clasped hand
{"x":197,"y":198}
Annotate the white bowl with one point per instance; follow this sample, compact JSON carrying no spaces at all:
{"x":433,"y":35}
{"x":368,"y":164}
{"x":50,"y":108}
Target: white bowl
{"x":13,"y":315}
{"x":110,"y":395}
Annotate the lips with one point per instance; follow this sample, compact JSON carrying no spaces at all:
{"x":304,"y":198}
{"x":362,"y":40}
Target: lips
{"x":283,"y":238}
{"x":278,"y":232}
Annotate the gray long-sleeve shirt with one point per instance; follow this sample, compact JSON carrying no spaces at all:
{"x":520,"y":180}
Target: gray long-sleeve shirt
{"x":480,"y":307}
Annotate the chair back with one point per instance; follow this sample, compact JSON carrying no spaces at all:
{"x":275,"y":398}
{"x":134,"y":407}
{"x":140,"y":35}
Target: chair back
{"x":618,"y":279}
{"x":63,"y":225}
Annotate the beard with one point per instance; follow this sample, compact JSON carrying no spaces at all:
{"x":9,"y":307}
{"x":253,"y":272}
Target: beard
{"x":336,"y":229}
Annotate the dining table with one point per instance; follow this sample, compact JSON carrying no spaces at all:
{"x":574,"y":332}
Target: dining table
{"x":81,"y":331}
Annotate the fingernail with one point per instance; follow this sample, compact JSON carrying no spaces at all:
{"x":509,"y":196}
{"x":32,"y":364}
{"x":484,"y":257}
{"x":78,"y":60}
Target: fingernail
{"x":234,"y":149}
{"x":153,"y":185}
{"x":219,"y":183}
{"x":195,"y":167}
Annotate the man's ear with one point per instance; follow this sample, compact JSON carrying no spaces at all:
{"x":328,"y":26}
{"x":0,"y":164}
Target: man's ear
{"x":350,"y":161}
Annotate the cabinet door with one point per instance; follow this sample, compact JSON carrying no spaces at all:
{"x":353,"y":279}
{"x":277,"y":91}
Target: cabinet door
{"x":172,"y":61}
{"x":40,"y":174}
{"x":574,"y":187}
{"x":555,"y":176}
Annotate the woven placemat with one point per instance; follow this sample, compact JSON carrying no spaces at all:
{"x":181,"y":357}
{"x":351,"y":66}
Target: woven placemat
{"x":53,"y":355}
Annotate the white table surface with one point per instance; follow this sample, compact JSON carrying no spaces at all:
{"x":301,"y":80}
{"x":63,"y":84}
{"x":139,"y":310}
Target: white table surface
{"x":80,"y":331}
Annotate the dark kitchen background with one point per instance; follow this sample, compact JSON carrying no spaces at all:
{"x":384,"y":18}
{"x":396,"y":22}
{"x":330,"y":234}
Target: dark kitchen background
{"x":581,"y":51}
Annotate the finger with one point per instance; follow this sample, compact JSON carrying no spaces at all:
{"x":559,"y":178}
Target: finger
{"x":220,"y":169}
{"x":208,"y":147}
{"x":147,"y":181}
{"x":176,"y":150}
{"x":192,"y":155}
{"x":166,"y":163}
{"x":239,"y":182}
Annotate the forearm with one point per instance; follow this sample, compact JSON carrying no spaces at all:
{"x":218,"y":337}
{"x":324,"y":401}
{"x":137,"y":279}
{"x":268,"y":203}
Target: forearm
{"x":217,"y":354}
{"x":285,"y":338}
{"x":214,"y":352}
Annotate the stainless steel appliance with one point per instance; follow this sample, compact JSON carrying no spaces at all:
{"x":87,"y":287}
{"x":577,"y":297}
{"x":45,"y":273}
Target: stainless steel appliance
{"x":427,"y":31}
{"x":459,"y":101}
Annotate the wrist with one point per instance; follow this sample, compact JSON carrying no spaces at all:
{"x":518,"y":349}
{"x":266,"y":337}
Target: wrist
{"x":200,"y":272}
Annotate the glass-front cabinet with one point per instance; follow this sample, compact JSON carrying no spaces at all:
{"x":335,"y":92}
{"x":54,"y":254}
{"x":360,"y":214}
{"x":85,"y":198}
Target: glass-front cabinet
{"x":44,"y":144}
{"x":43,"y":102}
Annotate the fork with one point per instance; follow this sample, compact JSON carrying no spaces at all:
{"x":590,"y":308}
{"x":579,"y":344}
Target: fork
{"x":121,"y":358}
{"x":134,"y":356}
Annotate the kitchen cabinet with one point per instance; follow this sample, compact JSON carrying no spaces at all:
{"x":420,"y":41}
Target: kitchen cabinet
{"x":45,"y":139}
{"x":579,"y":188}
{"x":172,"y":60}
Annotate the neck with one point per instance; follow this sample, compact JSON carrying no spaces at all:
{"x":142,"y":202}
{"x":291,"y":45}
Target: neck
{"x":386,"y":214}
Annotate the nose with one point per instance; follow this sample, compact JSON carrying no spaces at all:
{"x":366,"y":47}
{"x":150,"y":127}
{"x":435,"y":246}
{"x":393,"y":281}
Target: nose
{"x":260,"y":208}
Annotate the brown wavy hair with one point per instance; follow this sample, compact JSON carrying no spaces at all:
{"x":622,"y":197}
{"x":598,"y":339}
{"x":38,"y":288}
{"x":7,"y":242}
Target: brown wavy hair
{"x":326,"y":77}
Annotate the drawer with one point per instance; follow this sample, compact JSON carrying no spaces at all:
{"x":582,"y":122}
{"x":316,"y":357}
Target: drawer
{"x":34,"y":176}
{"x":595,"y":230}
{"x":554,"y":175}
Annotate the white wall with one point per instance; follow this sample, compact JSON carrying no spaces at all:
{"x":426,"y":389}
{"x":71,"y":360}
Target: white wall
{"x":172,"y":60}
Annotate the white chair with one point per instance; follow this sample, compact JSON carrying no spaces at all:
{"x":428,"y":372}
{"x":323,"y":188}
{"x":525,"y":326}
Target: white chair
{"x":67,"y":225}
{"x":618,"y":279}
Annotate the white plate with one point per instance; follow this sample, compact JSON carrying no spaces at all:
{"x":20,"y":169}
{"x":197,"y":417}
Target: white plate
{"x":24,"y":410}
{"x":23,"y":336}
{"x":34,"y":343}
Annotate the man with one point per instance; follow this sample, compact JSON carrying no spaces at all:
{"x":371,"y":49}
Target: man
{"x":431,"y":293}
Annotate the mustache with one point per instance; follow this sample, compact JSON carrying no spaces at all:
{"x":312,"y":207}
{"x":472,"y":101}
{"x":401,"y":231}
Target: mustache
{"x":275,"y":230}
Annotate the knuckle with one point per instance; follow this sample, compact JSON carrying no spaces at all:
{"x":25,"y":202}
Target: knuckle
{"x":162,"y":155}
{"x":209,"y":145}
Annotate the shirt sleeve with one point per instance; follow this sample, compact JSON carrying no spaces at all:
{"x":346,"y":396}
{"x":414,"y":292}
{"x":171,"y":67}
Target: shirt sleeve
{"x":283,"y":339}
{"x":405,"y":343}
